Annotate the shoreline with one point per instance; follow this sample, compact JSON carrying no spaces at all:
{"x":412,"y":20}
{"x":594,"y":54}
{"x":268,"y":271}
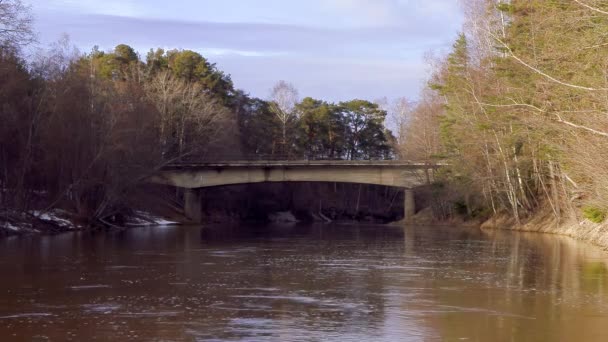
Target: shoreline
{"x":57,"y":221}
{"x":596,"y":234}
{"x":586,"y":231}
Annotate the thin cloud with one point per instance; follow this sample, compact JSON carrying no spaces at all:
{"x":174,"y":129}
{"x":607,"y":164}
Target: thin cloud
{"x":374,"y":12}
{"x":332,"y":49}
{"x":110,"y":7}
{"x":251,"y":37}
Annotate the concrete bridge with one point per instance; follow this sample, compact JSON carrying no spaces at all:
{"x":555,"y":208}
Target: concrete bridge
{"x":193,"y":176}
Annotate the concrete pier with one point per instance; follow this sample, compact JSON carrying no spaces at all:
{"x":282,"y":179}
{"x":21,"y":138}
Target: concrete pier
{"x":193,"y":202}
{"x":409,"y":204}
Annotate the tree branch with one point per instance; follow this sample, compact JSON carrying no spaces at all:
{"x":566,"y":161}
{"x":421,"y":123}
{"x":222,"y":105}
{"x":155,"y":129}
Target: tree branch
{"x":540,"y":72}
{"x":571,"y":124}
{"x":513,"y":105}
{"x":558,"y":117}
{"x":595,"y":9}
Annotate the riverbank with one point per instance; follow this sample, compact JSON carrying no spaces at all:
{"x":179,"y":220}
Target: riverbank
{"x":584,"y":230}
{"x":545,"y":222}
{"x":36,"y":222}
{"x":59,"y":221}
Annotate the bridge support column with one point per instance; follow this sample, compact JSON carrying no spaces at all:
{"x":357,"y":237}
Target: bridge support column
{"x":193,"y":202}
{"x":409,"y":205}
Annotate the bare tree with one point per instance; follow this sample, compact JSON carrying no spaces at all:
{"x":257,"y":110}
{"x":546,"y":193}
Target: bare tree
{"x":188,"y":116}
{"x":399,"y":112}
{"x":284,"y":97}
{"x":204,"y":121}
{"x":15,"y":24}
{"x":418,"y":127}
{"x":399,"y":116}
{"x":164,"y":91}
{"x":54,"y":61}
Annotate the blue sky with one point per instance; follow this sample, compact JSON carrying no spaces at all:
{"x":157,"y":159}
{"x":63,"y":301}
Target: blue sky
{"x":329,"y":49}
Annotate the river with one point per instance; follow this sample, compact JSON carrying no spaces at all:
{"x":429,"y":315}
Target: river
{"x":302,"y":283}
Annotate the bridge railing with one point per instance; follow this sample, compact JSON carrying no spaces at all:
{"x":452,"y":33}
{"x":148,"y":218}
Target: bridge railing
{"x":298,"y":163}
{"x":263,"y":157}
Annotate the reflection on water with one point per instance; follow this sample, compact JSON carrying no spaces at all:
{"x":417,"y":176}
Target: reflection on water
{"x":303,"y":283}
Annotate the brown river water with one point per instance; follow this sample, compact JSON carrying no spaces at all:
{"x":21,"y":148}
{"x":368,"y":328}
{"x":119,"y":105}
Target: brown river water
{"x":302,"y":283}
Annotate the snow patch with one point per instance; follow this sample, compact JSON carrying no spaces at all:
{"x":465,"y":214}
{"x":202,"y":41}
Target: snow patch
{"x":56,"y":217}
{"x":282,"y":217}
{"x":15,"y":227}
{"x":147,"y":219}
{"x":10,"y":226}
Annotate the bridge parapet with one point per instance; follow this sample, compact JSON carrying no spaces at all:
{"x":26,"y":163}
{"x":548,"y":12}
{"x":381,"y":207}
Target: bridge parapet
{"x":207,"y":174}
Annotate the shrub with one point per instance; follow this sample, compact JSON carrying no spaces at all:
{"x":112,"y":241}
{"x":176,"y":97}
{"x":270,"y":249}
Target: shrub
{"x":461,"y":207}
{"x":594,"y":214}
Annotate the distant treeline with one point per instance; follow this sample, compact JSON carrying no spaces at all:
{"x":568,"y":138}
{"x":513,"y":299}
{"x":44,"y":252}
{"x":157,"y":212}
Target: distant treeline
{"x":81,"y":131}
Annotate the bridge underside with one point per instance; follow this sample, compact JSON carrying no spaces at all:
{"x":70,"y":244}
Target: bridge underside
{"x":193,"y":177}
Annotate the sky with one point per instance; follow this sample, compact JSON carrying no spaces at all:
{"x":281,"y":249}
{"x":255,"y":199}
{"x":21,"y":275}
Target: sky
{"x":335,"y":50}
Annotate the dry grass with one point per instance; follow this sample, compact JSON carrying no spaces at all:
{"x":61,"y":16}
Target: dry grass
{"x":545,"y":222}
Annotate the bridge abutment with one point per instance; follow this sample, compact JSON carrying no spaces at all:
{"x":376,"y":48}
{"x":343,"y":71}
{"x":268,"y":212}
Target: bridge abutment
{"x":409,"y":204}
{"x":193,"y":203}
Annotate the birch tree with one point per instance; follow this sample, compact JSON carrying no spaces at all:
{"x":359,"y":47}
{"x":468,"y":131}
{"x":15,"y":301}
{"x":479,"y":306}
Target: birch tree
{"x":283,"y":100}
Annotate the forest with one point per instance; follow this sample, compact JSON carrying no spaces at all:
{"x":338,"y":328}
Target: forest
{"x":82,"y":131}
{"x":518,"y":109}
